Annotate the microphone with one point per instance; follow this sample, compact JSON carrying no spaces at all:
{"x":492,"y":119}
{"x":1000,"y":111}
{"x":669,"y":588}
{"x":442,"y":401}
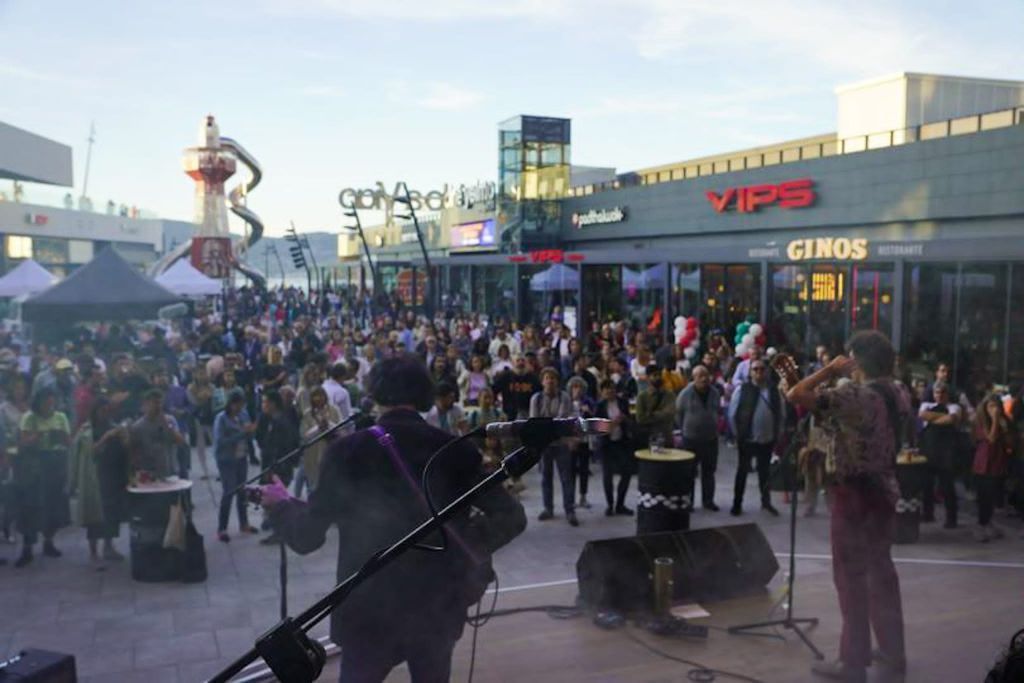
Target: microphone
{"x":552,"y":427}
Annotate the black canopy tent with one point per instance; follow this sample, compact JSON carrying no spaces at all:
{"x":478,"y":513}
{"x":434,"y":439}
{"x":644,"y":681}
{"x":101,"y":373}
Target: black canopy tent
{"x":106,"y":288}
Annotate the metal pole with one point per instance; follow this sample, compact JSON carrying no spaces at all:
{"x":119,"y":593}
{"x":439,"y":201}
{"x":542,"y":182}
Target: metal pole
{"x":428,"y":298}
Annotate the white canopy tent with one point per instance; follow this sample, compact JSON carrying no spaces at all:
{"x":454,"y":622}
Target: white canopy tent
{"x":557,"y":278}
{"x":27,"y":278}
{"x":184,"y":280}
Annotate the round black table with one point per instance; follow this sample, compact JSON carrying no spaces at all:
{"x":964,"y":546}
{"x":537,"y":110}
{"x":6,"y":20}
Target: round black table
{"x":664,"y":480}
{"x":910,"y":473}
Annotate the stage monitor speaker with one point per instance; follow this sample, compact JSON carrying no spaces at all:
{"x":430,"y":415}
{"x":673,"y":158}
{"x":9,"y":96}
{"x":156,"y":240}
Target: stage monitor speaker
{"x":708,"y":564}
{"x":38,"y":666}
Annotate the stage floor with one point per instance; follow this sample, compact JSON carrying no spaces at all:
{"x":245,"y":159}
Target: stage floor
{"x":962,"y":602}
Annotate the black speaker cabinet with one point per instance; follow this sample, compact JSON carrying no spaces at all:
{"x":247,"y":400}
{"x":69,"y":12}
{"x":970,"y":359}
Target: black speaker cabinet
{"x":708,"y":565}
{"x":38,"y":666}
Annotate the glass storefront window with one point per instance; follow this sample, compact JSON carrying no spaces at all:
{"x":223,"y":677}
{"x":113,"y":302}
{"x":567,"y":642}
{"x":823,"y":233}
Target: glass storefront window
{"x":981,"y":330}
{"x":460,"y":288}
{"x":1015,"y":366}
{"x":602,"y":294}
{"x":494,"y":291}
{"x":929,"y":308}
{"x":872,"y":305}
{"x":686,"y":289}
{"x":789,"y":306}
{"x":643,"y":295}
{"x":19,"y":247}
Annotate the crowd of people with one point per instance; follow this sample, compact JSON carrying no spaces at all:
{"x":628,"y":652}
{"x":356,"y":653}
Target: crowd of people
{"x":217,"y":393}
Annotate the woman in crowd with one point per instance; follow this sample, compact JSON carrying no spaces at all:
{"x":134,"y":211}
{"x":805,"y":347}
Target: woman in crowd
{"x":585,"y":407}
{"x":992,"y":456}
{"x":473,"y":381}
{"x":232,"y":430}
{"x":200,"y":399}
{"x":98,"y":477}
{"x":455,"y":363}
{"x":40,"y":474}
{"x":502,"y":362}
{"x":616,"y":453}
{"x":316,"y":418}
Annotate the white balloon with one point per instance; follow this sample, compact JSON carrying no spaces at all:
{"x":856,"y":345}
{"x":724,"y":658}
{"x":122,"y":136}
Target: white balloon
{"x":680,"y":321}
{"x":741,"y":349}
{"x":686,"y":365}
{"x":771,"y":351}
{"x":694,"y":344}
{"x":689,"y":353}
{"x":756,"y":330}
{"x":748,"y":339}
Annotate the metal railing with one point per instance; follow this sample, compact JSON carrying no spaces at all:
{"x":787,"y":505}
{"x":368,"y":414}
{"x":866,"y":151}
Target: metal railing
{"x":975,"y":123}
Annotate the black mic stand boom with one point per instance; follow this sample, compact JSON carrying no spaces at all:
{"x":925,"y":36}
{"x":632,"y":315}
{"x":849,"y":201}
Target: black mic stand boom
{"x":296,"y":658}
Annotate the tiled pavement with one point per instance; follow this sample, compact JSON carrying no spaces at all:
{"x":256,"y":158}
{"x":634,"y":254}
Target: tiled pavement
{"x":120,"y":630}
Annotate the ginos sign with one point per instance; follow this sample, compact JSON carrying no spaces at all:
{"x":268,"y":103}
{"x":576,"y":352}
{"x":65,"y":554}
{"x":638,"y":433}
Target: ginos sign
{"x":792,"y":194}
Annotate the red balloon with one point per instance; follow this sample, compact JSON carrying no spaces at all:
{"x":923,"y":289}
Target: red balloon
{"x":691,"y":323}
{"x":761,"y":339}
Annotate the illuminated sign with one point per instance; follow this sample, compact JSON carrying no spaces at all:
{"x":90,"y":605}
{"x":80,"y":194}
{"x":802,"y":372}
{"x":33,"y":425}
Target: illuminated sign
{"x":827,"y":286}
{"x":838,"y":248}
{"x":37,"y":218}
{"x":616,"y":214}
{"x":476,"y":234}
{"x":792,"y":194}
{"x":546,"y":256}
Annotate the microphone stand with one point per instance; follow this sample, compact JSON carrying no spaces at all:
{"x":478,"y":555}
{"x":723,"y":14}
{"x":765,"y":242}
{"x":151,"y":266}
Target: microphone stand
{"x":789,"y":621}
{"x":296,"y":658}
{"x":283,"y":551}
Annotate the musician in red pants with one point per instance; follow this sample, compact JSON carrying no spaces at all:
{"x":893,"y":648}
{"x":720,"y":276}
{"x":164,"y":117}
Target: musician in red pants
{"x":866,"y":419}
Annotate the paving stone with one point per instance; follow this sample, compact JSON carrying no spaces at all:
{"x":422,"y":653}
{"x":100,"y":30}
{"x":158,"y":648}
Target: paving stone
{"x":172,"y":649}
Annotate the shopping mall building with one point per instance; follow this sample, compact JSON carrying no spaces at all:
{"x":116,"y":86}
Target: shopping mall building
{"x":908,"y":219}
{"x":65,"y":234}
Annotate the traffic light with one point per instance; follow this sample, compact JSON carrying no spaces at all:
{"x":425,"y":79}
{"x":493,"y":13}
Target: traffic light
{"x":298,"y":256}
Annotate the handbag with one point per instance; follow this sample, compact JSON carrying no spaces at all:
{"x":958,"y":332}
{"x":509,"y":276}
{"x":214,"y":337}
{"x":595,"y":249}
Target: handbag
{"x":174,"y":534}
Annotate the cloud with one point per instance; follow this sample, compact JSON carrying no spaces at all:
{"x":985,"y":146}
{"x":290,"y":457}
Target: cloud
{"x":324,"y":90}
{"x":26,"y":74}
{"x":434,"y":95}
{"x":428,"y":10}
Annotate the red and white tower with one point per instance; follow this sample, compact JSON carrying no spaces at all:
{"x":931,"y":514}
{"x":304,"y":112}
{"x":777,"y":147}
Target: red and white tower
{"x":209,"y":165}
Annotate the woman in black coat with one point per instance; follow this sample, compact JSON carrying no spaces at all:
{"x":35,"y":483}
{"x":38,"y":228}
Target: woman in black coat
{"x":616,"y":449}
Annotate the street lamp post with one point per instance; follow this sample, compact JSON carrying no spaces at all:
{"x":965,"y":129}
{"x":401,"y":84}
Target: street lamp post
{"x":407,"y":200}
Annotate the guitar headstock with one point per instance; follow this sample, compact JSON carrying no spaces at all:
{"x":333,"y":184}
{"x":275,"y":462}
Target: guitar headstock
{"x":785,"y":366}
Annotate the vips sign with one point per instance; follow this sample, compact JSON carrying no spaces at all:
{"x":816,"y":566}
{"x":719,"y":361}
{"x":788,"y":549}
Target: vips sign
{"x":792,"y":194}
{"x":616,"y":214}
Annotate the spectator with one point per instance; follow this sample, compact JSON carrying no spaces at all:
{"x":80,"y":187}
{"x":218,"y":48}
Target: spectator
{"x":756,"y":416}
{"x":551,"y":401}
{"x":697,"y":413}
{"x":616,"y":453}
{"x":232,"y":431}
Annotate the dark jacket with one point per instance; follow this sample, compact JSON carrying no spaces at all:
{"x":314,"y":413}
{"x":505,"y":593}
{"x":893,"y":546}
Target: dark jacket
{"x":362,"y":492}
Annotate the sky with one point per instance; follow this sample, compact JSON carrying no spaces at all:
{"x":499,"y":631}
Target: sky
{"x":329,"y":94}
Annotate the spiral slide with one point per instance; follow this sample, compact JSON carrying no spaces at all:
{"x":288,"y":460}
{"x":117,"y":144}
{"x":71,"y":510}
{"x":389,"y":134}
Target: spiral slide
{"x":237,"y":197}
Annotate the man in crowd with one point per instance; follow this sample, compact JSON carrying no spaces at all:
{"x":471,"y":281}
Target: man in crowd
{"x":337,"y":394}
{"x":446,"y":414}
{"x":869,"y":417}
{"x":516,"y":387}
{"x":155,"y":438}
{"x":503,"y":338}
{"x":698,"y":407}
{"x":655,"y":408}
{"x":551,"y":401}
{"x":756,"y":416}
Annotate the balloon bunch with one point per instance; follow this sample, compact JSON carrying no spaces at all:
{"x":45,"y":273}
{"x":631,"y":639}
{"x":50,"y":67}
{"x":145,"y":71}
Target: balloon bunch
{"x":748,"y":335}
{"x":687,"y":335}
